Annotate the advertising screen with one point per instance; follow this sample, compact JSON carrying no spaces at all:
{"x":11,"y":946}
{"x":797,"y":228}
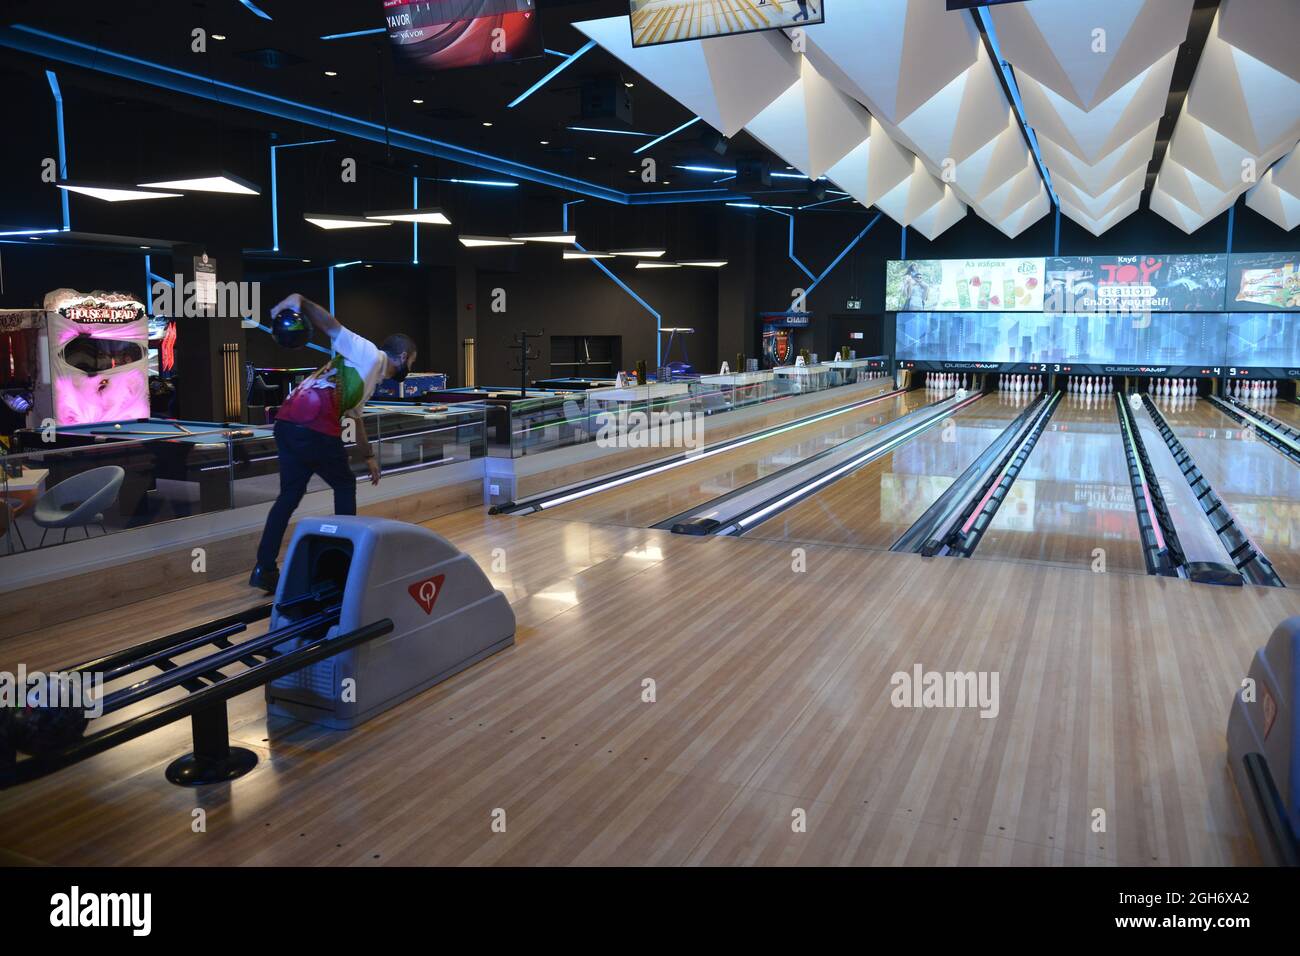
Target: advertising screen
{"x":1262,"y":340}
{"x":964,"y":285}
{"x":1176,"y":338}
{"x":447,"y":34}
{"x":667,"y":21}
{"x":1263,"y":281}
{"x":1141,"y":283}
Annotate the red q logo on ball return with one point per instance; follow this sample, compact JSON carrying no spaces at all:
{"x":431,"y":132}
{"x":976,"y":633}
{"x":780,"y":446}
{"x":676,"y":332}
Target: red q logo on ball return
{"x":426,"y":592}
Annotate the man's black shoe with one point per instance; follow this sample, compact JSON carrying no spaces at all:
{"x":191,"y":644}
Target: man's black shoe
{"x":265,"y":578}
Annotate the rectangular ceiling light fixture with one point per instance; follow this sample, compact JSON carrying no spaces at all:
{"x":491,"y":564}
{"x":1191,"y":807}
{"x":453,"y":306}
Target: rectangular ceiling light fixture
{"x":218,"y":182}
{"x":430,"y":217}
{"x":565,"y":238}
{"x":647,"y":253}
{"x":587,"y":254}
{"x":475,"y":242}
{"x":327,"y":220}
{"x":703,"y":263}
{"x":652,"y":264}
{"x":110,"y":193}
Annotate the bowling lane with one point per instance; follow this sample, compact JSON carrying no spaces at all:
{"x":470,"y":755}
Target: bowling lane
{"x":1260,"y":486}
{"x":1073,"y":495}
{"x":643,"y":503}
{"x":872,"y":506}
{"x":1287,"y":412}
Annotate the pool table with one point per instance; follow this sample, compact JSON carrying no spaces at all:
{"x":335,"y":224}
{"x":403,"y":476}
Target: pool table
{"x":573,"y":384}
{"x":152,"y":448}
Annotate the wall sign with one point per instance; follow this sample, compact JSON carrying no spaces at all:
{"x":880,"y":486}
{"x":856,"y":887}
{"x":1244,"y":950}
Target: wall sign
{"x":964,"y":285}
{"x":1136,"y":284}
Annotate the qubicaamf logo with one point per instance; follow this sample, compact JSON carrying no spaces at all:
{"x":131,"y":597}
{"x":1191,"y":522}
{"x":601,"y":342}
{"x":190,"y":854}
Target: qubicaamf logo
{"x":77,"y":909}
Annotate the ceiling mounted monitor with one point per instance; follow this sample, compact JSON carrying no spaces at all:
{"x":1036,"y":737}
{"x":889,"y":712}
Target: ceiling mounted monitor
{"x":448,"y":34}
{"x":669,"y":21}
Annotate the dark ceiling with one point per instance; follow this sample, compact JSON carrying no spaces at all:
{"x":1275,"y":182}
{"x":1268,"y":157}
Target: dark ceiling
{"x":286,"y":56}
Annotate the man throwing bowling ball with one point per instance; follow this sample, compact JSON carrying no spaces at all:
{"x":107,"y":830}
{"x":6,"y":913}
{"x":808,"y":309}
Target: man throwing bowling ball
{"x":309,"y":429}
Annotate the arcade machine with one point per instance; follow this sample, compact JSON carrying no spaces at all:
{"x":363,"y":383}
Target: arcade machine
{"x":778,"y":336}
{"x":1263,"y":734}
{"x":368,"y":613}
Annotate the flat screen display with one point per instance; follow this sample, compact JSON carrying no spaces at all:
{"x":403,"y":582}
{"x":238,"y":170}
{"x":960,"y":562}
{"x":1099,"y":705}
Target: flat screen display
{"x":449,"y":34}
{"x":1175,"y":338}
{"x":668,"y":21}
{"x":1136,"y":284}
{"x":964,"y":285}
{"x":1264,"y":281}
{"x":1262,"y":340}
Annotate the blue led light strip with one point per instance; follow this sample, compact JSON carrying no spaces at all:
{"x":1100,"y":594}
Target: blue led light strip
{"x":552,"y":74}
{"x":622,"y":285}
{"x":659,"y":139}
{"x":354,"y":33}
{"x":275,"y":191}
{"x":63,"y":145}
{"x":252,"y":6}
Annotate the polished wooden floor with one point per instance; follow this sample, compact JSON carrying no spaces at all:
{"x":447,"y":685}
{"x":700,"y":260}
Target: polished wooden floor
{"x":772,"y":697}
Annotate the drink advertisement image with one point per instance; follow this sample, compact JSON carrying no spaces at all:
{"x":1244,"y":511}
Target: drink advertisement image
{"x":964,"y":285}
{"x":1264,"y":280}
{"x":1136,"y":284}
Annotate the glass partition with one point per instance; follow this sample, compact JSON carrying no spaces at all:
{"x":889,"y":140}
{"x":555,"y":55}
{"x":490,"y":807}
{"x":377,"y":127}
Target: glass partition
{"x":79,"y":481}
{"x":550,"y":419}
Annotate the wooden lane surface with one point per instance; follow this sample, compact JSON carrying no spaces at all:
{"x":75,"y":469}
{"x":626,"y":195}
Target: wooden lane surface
{"x":771,"y":696}
{"x":1260,"y":486}
{"x":1073,"y":497}
{"x":872,"y":506}
{"x":642,"y":503}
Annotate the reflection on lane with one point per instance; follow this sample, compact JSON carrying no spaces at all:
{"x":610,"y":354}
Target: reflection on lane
{"x":642,"y":503}
{"x":1260,"y":486}
{"x":1072,"y":503}
{"x":872,"y":506}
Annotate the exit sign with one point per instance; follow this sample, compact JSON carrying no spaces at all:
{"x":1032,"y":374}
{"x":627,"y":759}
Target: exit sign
{"x":853,"y":305}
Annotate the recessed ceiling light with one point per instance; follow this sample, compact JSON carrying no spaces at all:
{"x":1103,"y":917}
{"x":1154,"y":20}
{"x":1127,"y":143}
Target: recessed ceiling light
{"x":110,"y":193}
{"x":703,"y":263}
{"x":485,"y":123}
{"x":592,"y":158}
{"x":658,"y":265}
{"x":418,"y":102}
{"x":218,"y":36}
{"x":218,"y":182}
{"x":641,"y":253}
{"x":331,"y":73}
{"x":327,"y":220}
{"x":34,"y":238}
{"x":144,"y":247}
{"x":628,"y":85}
{"x":433,"y":217}
{"x":369,"y":266}
{"x":306,"y":260}
{"x":561,"y":237}
{"x":545,"y":142}
{"x":587,"y":254}
{"x":472,"y":242}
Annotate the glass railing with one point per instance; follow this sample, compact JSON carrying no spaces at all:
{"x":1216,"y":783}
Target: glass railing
{"x":79,"y":481}
{"x":556,"y":419}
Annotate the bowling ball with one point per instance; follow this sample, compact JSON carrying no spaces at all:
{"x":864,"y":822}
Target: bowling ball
{"x":290,"y":329}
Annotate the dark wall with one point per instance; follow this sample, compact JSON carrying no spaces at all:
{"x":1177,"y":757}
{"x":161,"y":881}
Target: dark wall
{"x":543,"y":292}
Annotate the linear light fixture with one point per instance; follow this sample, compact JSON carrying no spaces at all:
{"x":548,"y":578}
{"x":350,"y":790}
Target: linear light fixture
{"x":429,"y":217}
{"x":613,"y":132}
{"x":218,"y":182}
{"x":111,"y":193}
{"x":500,"y":183}
{"x":657,"y":264}
{"x":565,"y":238}
{"x":649,"y":252}
{"x":587,"y":254}
{"x":474,"y":242}
{"x":703,"y":263}
{"x":328,"y":220}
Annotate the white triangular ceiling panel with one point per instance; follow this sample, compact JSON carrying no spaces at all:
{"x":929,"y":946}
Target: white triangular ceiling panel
{"x":893,"y":55}
{"x":1056,"y":42}
{"x":873,"y":167}
{"x":726,"y":81}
